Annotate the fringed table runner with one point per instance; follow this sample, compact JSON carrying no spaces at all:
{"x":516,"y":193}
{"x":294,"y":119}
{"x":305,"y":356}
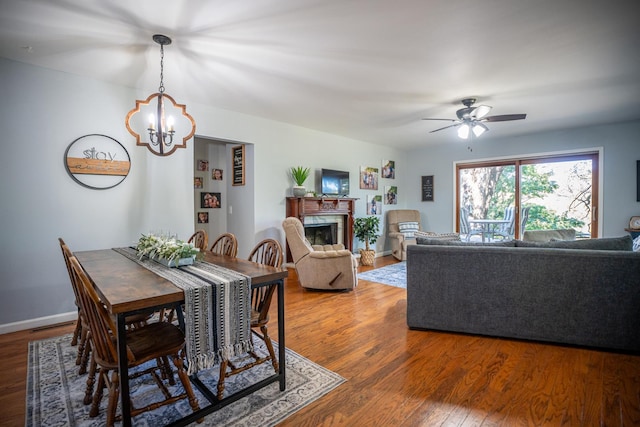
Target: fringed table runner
{"x":217,"y":309}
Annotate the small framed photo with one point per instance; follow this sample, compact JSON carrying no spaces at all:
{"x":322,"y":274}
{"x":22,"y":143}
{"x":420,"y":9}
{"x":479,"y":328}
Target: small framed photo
{"x":203,"y":217}
{"x":374,"y":205}
{"x":216,"y":174}
{"x":368,"y":178}
{"x":203,"y":165}
{"x":389,"y":169}
{"x":197,"y":182}
{"x":391,"y":195}
{"x":210,"y":200}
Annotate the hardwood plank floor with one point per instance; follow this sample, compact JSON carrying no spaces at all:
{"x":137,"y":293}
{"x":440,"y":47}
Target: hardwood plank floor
{"x":398,"y":377}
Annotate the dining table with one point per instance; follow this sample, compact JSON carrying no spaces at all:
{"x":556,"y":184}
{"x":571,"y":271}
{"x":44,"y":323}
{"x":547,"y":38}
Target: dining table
{"x":128,"y":288}
{"x":488,"y":225}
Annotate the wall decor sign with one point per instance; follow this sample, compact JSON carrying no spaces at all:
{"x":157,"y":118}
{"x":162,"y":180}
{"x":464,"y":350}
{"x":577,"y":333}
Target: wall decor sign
{"x":427,"y":188}
{"x":97,"y":161}
{"x":237,"y":157}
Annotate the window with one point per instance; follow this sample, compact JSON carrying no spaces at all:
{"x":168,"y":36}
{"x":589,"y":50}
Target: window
{"x":501,"y":199}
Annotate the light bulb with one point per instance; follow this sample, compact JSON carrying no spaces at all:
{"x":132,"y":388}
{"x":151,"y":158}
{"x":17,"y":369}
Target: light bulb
{"x":479,"y":129}
{"x":463,"y":131}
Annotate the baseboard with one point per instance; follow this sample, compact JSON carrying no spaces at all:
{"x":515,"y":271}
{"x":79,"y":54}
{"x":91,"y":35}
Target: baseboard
{"x":38,"y":322}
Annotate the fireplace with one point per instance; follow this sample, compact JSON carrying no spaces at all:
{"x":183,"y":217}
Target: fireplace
{"x":324,"y":211}
{"x":321,"y":234}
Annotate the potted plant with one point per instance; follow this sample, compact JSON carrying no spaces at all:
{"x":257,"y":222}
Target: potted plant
{"x":299,"y":175}
{"x":366,"y":230}
{"x":168,"y":251}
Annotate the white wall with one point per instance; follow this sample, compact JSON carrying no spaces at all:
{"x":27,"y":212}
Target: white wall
{"x":621,"y":150}
{"x":44,"y":111}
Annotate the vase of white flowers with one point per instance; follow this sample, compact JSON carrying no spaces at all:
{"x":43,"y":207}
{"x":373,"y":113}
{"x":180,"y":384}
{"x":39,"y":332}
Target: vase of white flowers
{"x":167,"y":250}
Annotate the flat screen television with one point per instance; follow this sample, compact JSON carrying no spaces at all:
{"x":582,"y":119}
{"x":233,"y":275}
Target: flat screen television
{"x":334,"y":183}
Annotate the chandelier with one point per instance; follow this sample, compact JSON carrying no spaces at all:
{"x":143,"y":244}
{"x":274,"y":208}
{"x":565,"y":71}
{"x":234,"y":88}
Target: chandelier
{"x":161,"y":130}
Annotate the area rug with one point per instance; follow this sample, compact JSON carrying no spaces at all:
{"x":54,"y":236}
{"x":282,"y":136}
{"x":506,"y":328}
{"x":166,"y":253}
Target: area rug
{"x":393,"y":275}
{"x":55,"y":391}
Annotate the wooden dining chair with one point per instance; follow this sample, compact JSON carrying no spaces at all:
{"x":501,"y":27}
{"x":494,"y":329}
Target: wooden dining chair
{"x":81,"y":331}
{"x":199,"y":240}
{"x":268,"y":252}
{"x":143,"y":346}
{"x":225,"y":244}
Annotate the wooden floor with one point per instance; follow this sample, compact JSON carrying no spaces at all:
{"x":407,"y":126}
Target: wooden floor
{"x":398,"y":377}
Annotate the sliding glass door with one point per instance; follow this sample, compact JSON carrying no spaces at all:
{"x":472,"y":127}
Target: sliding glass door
{"x":502,"y":199}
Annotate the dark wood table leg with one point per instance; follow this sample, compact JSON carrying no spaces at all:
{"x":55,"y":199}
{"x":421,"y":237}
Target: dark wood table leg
{"x":281,"y":343}
{"x":123,"y":366}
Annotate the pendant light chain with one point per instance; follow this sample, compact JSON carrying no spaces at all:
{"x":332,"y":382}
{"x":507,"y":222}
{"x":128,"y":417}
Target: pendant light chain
{"x":161,"y":88}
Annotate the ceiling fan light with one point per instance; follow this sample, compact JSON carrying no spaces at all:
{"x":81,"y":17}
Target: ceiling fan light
{"x":481,"y":111}
{"x":479,"y":129}
{"x":463,"y":131}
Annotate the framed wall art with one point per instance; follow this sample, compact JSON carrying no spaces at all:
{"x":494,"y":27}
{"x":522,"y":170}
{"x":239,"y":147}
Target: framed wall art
{"x":368,"y":178}
{"x":203,"y":217}
{"x":390,"y":195}
{"x":374,"y":205}
{"x":389,"y":169}
{"x":427,"y":188}
{"x":210,"y":200}
{"x":97,"y":161}
{"x":237,"y":157}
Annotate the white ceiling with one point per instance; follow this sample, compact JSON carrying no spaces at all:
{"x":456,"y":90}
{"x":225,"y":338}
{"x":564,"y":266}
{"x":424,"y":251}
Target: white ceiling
{"x":365,"y":69}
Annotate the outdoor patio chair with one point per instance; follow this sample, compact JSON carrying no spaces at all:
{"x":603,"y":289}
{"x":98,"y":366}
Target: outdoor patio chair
{"x":465,"y":228}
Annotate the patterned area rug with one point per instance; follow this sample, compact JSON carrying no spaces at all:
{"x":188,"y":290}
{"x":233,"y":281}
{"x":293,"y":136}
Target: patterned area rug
{"x":393,"y":275}
{"x":55,"y":391}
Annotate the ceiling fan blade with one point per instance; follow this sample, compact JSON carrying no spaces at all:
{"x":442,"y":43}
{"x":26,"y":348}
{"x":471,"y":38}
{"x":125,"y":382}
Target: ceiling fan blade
{"x":447,"y":120}
{"x":446,"y":127}
{"x":504,"y":118}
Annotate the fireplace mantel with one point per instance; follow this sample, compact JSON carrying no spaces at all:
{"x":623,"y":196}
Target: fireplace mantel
{"x":300,"y":207}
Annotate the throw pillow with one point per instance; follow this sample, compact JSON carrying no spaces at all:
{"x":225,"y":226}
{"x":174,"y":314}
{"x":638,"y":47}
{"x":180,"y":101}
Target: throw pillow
{"x":408,"y":228}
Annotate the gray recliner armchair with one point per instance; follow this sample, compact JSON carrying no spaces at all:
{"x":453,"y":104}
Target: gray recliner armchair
{"x":330,"y":267}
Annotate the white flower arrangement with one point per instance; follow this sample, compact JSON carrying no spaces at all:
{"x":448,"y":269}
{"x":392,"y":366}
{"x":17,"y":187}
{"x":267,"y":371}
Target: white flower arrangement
{"x":168,"y":249}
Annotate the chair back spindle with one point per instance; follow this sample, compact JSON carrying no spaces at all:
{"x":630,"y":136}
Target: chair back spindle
{"x":225,"y":244}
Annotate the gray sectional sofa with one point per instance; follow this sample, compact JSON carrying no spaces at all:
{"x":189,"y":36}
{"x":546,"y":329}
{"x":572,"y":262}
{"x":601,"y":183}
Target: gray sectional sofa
{"x":584,"y":293}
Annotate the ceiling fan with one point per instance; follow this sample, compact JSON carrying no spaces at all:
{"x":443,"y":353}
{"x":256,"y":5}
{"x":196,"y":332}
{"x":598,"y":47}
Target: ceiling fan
{"x":471,"y":119}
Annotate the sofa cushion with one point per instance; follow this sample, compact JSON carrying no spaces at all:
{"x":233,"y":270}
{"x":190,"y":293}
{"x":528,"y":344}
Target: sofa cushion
{"x":437,"y":236}
{"x":624,"y":243}
{"x":408,"y":228}
{"x":548,"y":235}
{"x":430,"y":241}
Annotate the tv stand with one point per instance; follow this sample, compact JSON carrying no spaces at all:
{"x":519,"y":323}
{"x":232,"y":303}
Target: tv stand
{"x":300,"y":207}
{"x":334,"y":196}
